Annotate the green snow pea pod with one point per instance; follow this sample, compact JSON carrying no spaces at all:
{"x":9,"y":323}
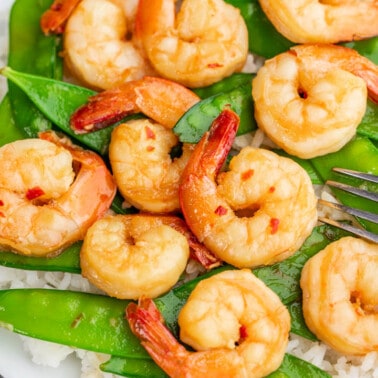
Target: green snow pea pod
{"x":367,"y":47}
{"x":359,"y":154}
{"x":57,"y":100}
{"x":233,"y":92}
{"x":369,"y":124}
{"x":9,"y":132}
{"x":31,"y":51}
{"x":264,"y":39}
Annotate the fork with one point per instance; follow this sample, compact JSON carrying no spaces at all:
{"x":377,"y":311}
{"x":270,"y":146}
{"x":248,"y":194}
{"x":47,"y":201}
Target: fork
{"x":353,"y":211}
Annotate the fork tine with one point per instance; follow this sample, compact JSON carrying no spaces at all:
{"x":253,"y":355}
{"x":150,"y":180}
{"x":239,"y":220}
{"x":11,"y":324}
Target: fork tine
{"x":354,"y":230}
{"x":361,"y":175}
{"x":351,"y":189}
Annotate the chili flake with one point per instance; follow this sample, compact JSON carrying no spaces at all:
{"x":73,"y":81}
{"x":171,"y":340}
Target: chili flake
{"x":34,"y":193}
{"x":150,"y":133}
{"x":274,"y":223}
{"x":220,"y":210}
{"x":247,"y":174}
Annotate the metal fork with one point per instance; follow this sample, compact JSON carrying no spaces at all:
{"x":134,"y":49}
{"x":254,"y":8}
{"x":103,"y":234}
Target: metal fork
{"x":352,"y":211}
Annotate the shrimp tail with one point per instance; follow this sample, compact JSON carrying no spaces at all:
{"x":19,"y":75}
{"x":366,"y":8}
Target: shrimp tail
{"x":54,"y":19}
{"x":147,"y":323}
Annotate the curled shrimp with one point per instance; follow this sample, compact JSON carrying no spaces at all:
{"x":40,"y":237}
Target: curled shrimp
{"x":340,"y":295}
{"x":311,"y":99}
{"x":326,"y":21}
{"x":238,"y":325}
{"x":206,"y":41}
{"x":258,"y":212}
{"x":162,"y":100}
{"x":98,"y":47}
{"x":50,"y":193}
{"x":128,"y":256}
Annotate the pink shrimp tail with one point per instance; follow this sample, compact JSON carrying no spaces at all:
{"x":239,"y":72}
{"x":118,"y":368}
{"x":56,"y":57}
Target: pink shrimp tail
{"x":146,"y":322}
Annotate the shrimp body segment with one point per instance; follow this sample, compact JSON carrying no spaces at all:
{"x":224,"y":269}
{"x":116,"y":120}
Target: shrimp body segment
{"x":46,"y":205}
{"x":238,"y":326}
{"x":329,"y":21}
{"x":340,"y":295}
{"x":204,"y":42}
{"x":311,"y":99}
{"x":244,"y":215}
{"x":128,"y":256}
{"x":96,"y":48}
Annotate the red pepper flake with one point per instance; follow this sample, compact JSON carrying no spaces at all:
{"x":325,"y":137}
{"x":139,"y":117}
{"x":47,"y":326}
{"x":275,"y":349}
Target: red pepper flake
{"x":274,"y":223}
{"x":247,"y":174}
{"x":214,"y":65}
{"x":150,"y":148}
{"x":150,"y":133}
{"x":220,"y":210}
{"x":243,"y":333}
{"x":2,"y":215}
{"x":272,"y":189}
{"x":34,"y":193}
{"x":1,"y":203}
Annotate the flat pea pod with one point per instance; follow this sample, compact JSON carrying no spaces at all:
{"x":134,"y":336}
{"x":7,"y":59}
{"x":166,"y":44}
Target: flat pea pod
{"x":233,"y":92}
{"x":67,"y":261}
{"x":264,"y":39}
{"x":369,"y":124}
{"x":57,"y":100}
{"x":88,"y":321}
{"x":294,"y":367}
{"x":33,"y":52}
{"x":9,"y":132}
{"x":360,"y":154}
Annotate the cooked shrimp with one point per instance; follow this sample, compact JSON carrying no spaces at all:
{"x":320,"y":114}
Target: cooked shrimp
{"x":128,"y":256}
{"x":258,"y":212}
{"x":340,"y":295}
{"x":326,"y":21}
{"x":97,"y":48}
{"x":50,"y":193}
{"x":146,"y":174}
{"x":238,"y":326}
{"x":311,"y":99}
{"x":162,"y":100}
{"x":54,"y":19}
{"x":206,"y":41}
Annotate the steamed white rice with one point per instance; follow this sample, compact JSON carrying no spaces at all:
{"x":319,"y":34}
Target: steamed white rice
{"x":50,"y":354}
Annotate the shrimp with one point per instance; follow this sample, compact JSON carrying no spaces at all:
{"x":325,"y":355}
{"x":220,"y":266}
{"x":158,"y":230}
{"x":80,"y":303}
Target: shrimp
{"x":128,"y":256}
{"x":206,"y":41}
{"x":139,"y":151}
{"x":50,"y":193}
{"x":326,"y":21}
{"x":311,"y":99}
{"x":258,"y":212}
{"x":97,"y":48}
{"x":340,"y":295}
{"x":238,"y":326}
{"x":159,"y":99}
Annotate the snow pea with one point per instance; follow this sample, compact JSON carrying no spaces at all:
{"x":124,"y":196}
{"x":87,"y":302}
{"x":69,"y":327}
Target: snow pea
{"x":368,"y":126}
{"x":234,"y":91}
{"x":9,"y":132}
{"x":360,"y":154}
{"x":264,"y":39}
{"x":31,"y":51}
{"x":367,"y":47}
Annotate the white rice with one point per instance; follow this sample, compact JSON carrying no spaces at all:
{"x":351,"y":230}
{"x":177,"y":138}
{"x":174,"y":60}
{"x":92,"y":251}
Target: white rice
{"x":50,"y":354}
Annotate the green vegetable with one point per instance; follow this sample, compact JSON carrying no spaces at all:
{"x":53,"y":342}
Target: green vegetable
{"x":362,"y":155}
{"x":67,"y":261}
{"x":234,"y":92}
{"x":31,"y":51}
{"x":8,"y":129}
{"x":369,"y":124}
{"x":260,"y":30}
{"x":367,"y":47}
{"x":293,"y":367}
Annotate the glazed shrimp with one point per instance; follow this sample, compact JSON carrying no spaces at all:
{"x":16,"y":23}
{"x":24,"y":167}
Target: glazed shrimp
{"x":97,"y":50}
{"x":50,"y":193}
{"x":326,"y":21}
{"x":238,"y":325}
{"x":311,"y":99}
{"x":206,"y":41}
{"x":340,"y":295}
{"x":128,"y":256}
{"x":162,"y":100}
{"x":258,"y":212}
